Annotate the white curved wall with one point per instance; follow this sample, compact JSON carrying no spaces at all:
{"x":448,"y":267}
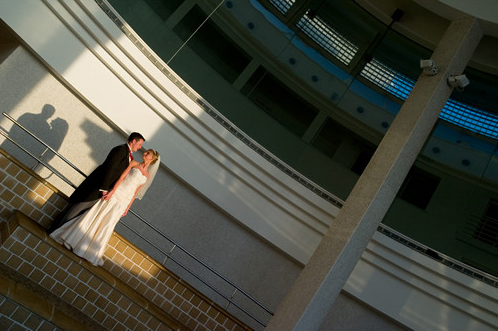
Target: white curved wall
{"x":419,"y":292}
{"x":78,"y":40}
{"x":132,"y":93}
{"x":486,"y":10}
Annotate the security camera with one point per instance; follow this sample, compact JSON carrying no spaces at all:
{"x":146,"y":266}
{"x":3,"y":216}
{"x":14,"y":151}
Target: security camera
{"x":429,"y":67}
{"x":458,"y":81}
{"x":426,"y":64}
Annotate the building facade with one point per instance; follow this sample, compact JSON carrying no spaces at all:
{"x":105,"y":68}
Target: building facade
{"x":268,"y":115}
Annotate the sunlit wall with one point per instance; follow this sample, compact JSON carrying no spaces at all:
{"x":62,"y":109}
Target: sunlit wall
{"x":301,"y":90}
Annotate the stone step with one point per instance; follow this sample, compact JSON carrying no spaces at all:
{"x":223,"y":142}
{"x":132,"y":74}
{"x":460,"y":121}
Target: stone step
{"x":27,"y":250}
{"x":130,"y":291}
{"x":24,"y":304}
{"x":79,"y":292}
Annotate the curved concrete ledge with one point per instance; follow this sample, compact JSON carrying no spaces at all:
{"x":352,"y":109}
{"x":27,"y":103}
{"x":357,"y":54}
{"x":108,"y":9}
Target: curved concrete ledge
{"x":133,"y":94}
{"x":420,"y":292}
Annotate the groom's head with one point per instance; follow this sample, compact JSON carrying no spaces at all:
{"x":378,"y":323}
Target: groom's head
{"x":135,"y":141}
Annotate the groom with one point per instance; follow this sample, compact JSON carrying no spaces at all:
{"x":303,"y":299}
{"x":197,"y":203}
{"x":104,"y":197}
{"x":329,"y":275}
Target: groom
{"x":100,"y":181}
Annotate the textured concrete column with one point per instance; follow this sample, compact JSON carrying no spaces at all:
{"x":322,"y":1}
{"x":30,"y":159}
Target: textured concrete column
{"x":314,"y":292}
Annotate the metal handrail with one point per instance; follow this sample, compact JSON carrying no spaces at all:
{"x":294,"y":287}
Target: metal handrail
{"x":202,"y":263}
{"x":229,"y":300}
{"x":44,"y":144}
{"x":441,"y":257}
{"x":175,"y":244}
{"x":5,"y":134}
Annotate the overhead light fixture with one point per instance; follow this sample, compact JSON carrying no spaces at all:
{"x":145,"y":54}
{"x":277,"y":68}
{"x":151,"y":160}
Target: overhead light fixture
{"x":458,"y":81}
{"x":429,"y":67}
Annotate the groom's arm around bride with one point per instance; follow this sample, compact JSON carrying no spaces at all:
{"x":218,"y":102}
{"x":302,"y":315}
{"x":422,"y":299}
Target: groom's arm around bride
{"x":99,"y":181}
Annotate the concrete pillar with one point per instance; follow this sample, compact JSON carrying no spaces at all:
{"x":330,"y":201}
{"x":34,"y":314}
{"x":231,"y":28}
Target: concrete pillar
{"x":315,"y":290}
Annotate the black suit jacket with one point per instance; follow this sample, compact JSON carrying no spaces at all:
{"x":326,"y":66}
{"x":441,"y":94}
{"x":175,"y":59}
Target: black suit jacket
{"x":103,"y":177}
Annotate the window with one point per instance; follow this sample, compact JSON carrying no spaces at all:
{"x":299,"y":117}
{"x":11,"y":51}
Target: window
{"x":418,"y":188}
{"x":333,"y":136}
{"x":328,"y":38}
{"x":282,"y":5}
{"x":281,"y":103}
{"x":487,"y":228}
{"x":212,"y":45}
{"x":455,"y":112}
{"x":330,"y":137}
{"x":388,"y":79}
{"x":162,"y":8}
{"x":362,"y":160}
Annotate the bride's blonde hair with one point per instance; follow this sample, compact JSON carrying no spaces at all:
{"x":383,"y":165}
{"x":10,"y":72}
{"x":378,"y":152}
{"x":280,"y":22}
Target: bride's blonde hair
{"x":155,"y":155}
{"x":152,"y":170}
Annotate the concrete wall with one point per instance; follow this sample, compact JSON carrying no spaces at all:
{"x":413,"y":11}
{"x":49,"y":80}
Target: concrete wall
{"x":245,"y":253}
{"x":171,"y":205}
{"x":265,"y":272}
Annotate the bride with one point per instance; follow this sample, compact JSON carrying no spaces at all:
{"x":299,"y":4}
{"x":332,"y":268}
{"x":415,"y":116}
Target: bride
{"x":87,"y":235}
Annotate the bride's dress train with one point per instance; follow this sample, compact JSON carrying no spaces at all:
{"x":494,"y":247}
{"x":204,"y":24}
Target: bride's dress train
{"x":87,"y":235}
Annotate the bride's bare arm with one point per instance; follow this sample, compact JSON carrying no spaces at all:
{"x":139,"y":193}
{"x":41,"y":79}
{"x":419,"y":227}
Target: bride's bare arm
{"x":131,"y":201}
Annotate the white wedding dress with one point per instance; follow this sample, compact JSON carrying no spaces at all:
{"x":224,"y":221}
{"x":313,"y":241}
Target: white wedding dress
{"x":87,"y":235}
